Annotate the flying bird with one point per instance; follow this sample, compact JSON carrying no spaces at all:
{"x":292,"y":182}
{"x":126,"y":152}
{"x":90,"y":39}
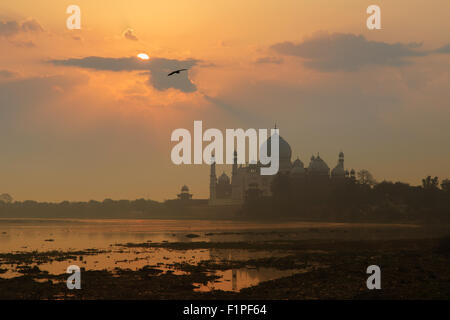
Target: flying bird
{"x":176,"y":71}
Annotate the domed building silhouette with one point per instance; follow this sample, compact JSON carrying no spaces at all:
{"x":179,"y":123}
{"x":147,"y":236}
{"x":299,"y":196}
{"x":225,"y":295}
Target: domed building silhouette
{"x":298,"y":169}
{"x":245,"y":178}
{"x":184,"y":194}
{"x":339,"y":171}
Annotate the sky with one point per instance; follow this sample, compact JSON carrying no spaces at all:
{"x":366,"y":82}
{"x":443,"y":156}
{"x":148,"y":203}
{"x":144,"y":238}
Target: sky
{"x":82,"y":118}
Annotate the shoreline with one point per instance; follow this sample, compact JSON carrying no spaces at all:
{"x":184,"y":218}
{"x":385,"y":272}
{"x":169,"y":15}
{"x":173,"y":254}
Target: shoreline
{"x":411,"y":269}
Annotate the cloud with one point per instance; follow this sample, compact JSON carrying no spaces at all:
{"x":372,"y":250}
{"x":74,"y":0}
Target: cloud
{"x":444,"y":49}
{"x":31,"y":26}
{"x":349,"y":52}
{"x":70,"y":129}
{"x":130,"y":35}
{"x":104,"y":64}
{"x":24,"y":44}
{"x":156,"y":68}
{"x":11,"y":28}
{"x":6,"y":74}
{"x":17,"y":106}
{"x":274,"y":60}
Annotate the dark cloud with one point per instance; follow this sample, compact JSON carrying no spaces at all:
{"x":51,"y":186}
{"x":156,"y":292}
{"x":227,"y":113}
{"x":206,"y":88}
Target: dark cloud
{"x":31,"y":26}
{"x":6,"y":74}
{"x":130,"y":35}
{"x":414,"y":45}
{"x":349,"y":52}
{"x":156,"y":68}
{"x":274,"y":60}
{"x":444,"y":49}
{"x":104,"y":64}
{"x":11,"y":28}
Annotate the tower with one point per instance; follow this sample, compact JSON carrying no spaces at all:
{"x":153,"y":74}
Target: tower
{"x":212,"y":180}
{"x":352,"y":174}
{"x":338,"y":173}
{"x":234,"y":170}
{"x":341,"y":159}
{"x":236,"y":181}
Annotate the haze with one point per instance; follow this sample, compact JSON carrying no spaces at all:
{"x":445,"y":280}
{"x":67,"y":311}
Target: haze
{"x":82,"y":118}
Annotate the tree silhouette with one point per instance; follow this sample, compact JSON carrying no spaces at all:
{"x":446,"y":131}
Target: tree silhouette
{"x":430,"y":183}
{"x":364,"y":177}
{"x":6,"y":198}
{"x":445,"y":185}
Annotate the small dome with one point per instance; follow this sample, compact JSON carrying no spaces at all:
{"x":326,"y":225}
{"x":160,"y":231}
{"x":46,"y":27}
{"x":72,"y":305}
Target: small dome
{"x":184,"y":188}
{"x":317,"y":165}
{"x":297,"y":167}
{"x":298,"y":163}
{"x":224,"y":178}
{"x":341,"y":154}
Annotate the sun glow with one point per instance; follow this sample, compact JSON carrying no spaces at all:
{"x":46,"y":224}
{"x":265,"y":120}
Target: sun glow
{"x":143,"y":56}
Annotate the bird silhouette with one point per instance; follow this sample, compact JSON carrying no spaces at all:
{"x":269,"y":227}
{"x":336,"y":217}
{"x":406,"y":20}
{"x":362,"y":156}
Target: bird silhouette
{"x":176,"y":71}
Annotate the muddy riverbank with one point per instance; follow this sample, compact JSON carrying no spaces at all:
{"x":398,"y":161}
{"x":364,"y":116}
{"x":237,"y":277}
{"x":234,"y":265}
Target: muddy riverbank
{"x":300,"y":269}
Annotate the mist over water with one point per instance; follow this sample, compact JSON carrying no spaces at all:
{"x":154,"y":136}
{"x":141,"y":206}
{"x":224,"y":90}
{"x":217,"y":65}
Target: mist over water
{"x":78,"y":234}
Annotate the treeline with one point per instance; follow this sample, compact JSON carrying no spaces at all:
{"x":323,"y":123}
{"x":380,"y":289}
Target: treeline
{"x":140,"y":208}
{"x":357,"y":198}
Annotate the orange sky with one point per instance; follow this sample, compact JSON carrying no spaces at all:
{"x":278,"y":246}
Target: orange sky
{"x":78,"y":133}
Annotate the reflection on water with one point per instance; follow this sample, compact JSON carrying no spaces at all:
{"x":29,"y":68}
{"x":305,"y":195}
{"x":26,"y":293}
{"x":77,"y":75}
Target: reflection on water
{"x":71,"y":234}
{"x":135,"y":259}
{"x":64,"y":235}
{"x":237,"y":279}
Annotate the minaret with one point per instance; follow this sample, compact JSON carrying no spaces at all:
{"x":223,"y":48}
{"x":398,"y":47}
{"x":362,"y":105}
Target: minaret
{"x":235,"y":183}
{"x":341,"y":159}
{"x":212,"y":180}
{"x":234,"y":170}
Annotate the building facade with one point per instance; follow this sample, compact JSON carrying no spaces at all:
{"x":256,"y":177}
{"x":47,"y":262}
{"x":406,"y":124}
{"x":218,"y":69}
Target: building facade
{"x":224,"y":190}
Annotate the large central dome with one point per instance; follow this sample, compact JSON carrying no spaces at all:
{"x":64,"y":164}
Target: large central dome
{"x":285,"y":151}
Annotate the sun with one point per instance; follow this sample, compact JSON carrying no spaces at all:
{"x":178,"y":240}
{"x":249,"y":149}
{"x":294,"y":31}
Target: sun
{"x":143,"y":56}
